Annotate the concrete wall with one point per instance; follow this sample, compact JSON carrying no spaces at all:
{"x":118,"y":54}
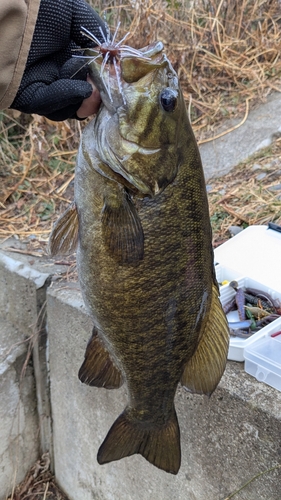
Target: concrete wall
{"x":226,"y":440}
{"x":25,"y":420}
{"x":19,"y":424}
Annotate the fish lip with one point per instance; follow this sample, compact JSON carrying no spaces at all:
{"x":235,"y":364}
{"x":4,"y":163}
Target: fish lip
{"x":112,"y":103}
{"x":153,"y":49}
{"x":110,"y":106}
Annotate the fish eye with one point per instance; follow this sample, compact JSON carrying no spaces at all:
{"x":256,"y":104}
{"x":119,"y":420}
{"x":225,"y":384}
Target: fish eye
{"x":168,"y":99}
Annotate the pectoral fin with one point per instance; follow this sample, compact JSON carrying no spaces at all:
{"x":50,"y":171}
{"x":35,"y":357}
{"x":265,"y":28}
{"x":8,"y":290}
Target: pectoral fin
{"x":64,"y":236}
{"x":122,"y":229}
{"x":204,"y":370}
{"x":98,"y":369}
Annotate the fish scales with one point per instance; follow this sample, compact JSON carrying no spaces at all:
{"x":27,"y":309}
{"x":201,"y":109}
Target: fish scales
{"x":145,"y":264}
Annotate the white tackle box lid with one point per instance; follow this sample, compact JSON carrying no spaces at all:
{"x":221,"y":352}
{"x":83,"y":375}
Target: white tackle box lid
{"x":256,"y":253}
{"x":263,"y":357}
{"x":253,"y":258}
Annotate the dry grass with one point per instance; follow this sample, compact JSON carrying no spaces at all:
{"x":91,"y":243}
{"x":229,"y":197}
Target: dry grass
{"x":249,"y":194}
{"x":257,"y":476}
{"x":227,"y":55}
{"x":39,"y":484}
{"x":226,"y":52}
{"x":38,"y":168}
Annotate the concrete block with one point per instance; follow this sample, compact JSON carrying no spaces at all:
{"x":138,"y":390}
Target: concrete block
{"x":226,"y":440}
{"x":19,"y":283}
{"x":19,"y":443}
{"x":25,"y":422}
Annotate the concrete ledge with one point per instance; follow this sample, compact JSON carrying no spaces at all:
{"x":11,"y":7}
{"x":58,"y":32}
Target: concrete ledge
{"x":261,"y":128}
{"x":226,"y":440}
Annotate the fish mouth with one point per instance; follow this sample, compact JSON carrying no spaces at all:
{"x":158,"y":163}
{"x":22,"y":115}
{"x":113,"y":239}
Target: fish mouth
{"x":122,"y":70}
{"x":135,"y":68}
{"x":110,"y":73}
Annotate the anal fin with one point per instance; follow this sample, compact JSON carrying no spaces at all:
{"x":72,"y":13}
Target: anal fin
{"x":98,"y":369}
{"x":204,"y":370}
{"x":64,"y":236}
{"x":160,"y":445}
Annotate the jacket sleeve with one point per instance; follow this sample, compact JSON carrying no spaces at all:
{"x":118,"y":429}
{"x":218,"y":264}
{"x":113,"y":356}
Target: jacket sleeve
{"x":17,"y":23}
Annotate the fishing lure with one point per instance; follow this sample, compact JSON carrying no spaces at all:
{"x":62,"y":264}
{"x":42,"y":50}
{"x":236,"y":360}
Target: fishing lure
{"x":275,"y":334}
{"x":111,"y":52}
{"x":274,"y":303}
{"x":240,"y":333}
{"x":239,"y":299}
{"x":267,"y":311}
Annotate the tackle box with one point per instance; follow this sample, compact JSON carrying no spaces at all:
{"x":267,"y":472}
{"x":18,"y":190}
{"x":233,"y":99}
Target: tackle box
{"x":263,"y":357}
{"x":253,"y":259}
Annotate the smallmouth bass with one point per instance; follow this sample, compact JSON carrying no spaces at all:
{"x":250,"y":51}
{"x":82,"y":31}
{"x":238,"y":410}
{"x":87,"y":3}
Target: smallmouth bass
{"x":145,"y":258}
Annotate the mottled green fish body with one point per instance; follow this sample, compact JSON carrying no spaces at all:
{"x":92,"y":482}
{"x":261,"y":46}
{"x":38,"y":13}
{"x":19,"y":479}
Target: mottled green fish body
{"x":145,"y":261}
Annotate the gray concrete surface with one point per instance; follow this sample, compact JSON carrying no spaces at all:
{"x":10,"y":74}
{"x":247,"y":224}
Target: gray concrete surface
{"x":262,"y":126}
{"x":19,"y":443}
{"x":226,"y":440}
{"x":25,"y":422}
{"x":19,"y":446}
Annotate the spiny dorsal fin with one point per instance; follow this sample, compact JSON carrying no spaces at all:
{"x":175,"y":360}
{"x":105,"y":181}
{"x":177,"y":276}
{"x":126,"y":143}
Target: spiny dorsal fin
{"x":122,"y":230}
{"x":160,"y":445}
{"x":204,"y":370}
{"x":64,"y":236}
{"x":98,"y":370}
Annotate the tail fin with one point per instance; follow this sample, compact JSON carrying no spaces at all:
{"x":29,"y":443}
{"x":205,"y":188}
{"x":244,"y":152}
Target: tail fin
{"x":159,"y":445}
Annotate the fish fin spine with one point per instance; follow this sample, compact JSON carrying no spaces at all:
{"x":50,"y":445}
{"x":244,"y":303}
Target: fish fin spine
{"x":98,"y":370}
{"x":159,"y":445}
{"x":122,"y":230}
{"x":64,"y":235}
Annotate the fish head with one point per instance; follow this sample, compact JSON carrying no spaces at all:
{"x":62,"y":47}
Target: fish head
{"x":138,"y":135}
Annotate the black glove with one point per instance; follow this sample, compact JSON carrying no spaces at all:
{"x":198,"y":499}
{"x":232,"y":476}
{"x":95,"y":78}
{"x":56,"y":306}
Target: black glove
{"x":46,"y":87}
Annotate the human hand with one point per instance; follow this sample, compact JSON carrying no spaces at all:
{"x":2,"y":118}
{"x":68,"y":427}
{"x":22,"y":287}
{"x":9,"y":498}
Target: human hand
{"x":49,"y":87}
{"x":89,"y":106}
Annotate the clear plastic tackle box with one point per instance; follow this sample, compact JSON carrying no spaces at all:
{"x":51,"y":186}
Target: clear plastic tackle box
{"x":253,"y":259}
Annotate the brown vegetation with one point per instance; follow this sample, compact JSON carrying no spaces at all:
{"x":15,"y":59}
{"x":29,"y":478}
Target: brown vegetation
{"x":227,"y":54}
